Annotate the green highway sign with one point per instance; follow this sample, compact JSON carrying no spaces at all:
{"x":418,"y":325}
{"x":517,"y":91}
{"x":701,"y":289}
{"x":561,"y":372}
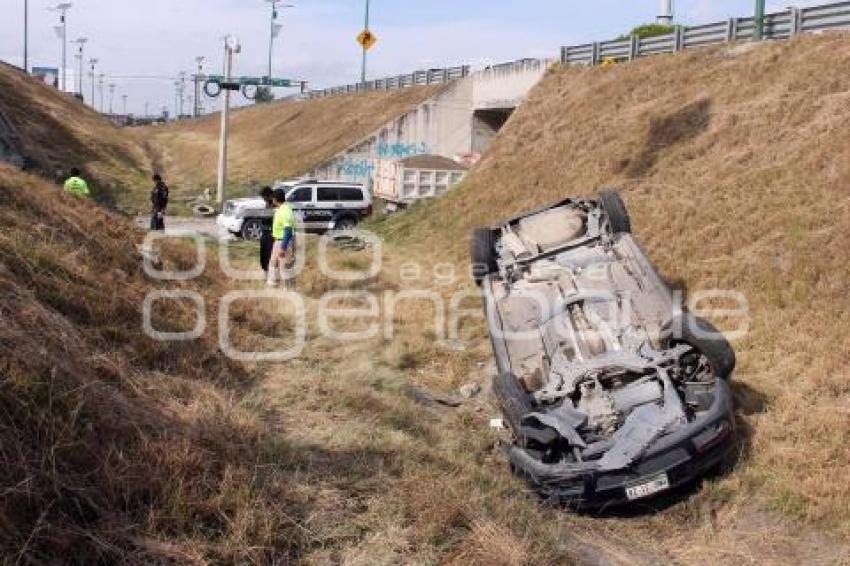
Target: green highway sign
{"x":255,"y":81}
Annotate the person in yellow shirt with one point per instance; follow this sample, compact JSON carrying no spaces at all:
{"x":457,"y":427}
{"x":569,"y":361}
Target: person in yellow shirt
{"x":283,"y":233}
{"x":76,"y":185}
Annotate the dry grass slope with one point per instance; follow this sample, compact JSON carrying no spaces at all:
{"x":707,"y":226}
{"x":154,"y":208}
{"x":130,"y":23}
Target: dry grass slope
{"x":115,"y":447}
{"x":276,"y":140}
{"x":57,"y":132}
{"x":735,"y":165}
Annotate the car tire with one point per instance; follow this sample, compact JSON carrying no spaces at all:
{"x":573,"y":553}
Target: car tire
{"x":483,"y":254}
{"x":252,"y":230}
{"x":513,"y":400}
{"x":345,"y":223}
{"x":615,"y":208}
{"x":703,"y":337}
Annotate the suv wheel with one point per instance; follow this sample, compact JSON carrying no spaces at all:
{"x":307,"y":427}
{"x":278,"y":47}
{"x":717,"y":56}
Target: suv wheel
{"x":345,"y":223}
{"x":615,"y":208}
{"x":252,"y":230}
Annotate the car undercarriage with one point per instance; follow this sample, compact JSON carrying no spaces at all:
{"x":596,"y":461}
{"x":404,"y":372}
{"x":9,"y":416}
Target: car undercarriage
{"x":599,"y":370}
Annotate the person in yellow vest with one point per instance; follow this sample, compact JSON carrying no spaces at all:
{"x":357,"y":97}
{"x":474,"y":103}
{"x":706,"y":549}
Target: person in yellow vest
{"x":283,"y":232}
{"x":76,"y":185}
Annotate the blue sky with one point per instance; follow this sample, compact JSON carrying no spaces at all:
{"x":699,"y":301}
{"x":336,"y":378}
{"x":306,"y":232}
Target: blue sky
{"x":162,"y":37}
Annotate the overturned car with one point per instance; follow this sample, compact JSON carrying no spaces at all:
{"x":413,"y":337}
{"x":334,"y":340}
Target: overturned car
{"x":612,"y":394}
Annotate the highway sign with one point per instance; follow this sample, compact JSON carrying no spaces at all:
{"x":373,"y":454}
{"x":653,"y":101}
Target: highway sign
{"x":255,"y":81}
{"x":367,"y":39}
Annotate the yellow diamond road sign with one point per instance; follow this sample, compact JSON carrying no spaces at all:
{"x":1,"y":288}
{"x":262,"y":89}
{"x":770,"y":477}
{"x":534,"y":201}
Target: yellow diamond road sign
{"x":367,"y":39}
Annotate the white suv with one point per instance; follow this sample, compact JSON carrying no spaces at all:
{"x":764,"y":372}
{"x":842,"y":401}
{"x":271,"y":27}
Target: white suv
{"x":322,"y":205}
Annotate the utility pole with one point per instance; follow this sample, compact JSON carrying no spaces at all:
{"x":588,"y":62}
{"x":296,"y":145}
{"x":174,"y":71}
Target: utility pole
{"x":758,"y":33}
{"x":231,"y":46}
{"x":62,"y":8}
{"x":26,"y":35}
{"x":124,"y":99}
{"x":81,"y":42}
{"x":92,"y":62}
{"x":200,"y":61}
{"x":111,"y":97}
{"x":147,"y":109}
{"x":363,"y":68}
{"x":274,"y":29}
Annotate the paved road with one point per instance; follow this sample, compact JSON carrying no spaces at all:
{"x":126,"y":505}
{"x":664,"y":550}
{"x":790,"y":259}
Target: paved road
{"x":178,"y":224}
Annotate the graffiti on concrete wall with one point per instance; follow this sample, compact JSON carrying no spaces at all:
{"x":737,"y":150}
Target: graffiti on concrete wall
{"x":401,"y":150}
{"x":356,"y":167}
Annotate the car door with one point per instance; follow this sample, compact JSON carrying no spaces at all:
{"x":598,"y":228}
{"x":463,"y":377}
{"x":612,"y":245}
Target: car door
{"x":327,"y":206}
{"x":303,"y":201}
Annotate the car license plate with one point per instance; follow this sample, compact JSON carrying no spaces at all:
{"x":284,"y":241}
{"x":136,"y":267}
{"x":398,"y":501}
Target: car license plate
{"x":651,"y":487}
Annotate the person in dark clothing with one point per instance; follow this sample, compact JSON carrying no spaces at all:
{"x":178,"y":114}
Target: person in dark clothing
{"x":267,"y":241}
{"x":159,"y":202}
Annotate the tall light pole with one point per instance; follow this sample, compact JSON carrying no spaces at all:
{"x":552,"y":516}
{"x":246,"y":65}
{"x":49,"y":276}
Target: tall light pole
{"x":274,"y":28}
{"x":758,"y":33}
{"x":100,"y":78}
{"x":26,"y":35}
{"x":200,"y":61}
{"x":62,"y":8}
{"x":231,"y":46}
{"x":363,"y":68}
{"x":92,"y":62}
{"x":111,"y":97}
{"x":124,"y":99}
{"x":81,"y":42}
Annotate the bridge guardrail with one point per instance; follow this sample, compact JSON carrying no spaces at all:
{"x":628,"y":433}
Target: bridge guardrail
{"x":778,"y":25}
{"x":417,"y":78}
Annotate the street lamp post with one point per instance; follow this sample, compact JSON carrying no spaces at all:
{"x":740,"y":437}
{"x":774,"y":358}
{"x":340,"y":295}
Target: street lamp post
{"x":92,"y":62}
{"x":26,"y":35}
{"x":100,"y":78}
{"x":111,"y":97}
{"x":274,"y":29}
{"x":363,"y":68}
{"x":81,"y":42}
{"x":231,"y":47}
{"x":63,"y":9}
{"x":200,"y":61}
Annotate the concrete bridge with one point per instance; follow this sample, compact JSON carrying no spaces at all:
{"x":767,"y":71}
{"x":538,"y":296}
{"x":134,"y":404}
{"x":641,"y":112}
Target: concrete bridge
{"x":459,"y":122}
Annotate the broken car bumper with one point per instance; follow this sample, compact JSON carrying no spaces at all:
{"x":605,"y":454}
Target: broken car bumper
{"x":680,"y":458}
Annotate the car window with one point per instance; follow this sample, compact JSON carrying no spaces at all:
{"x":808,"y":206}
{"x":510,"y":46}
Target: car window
{"x":350,"y":194}
{"x":328,"y":194}
{"x":304,"y":194}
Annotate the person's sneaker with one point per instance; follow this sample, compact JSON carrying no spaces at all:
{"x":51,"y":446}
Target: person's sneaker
{"x":272,"y":284}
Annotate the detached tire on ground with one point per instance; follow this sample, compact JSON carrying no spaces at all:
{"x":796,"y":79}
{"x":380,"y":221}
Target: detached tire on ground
{"x":615,"y":208}
{"x":483,"y":254}
{"x":705,"y":338}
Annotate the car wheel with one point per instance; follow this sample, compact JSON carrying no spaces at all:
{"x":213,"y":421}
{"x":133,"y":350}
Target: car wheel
{"x":704,"y":338}
{"x":615,"y":208}
{"x":483,"y":254}
{"x":345,"y":223}
{"x":252,"y":230}
{"x":513,"y":399}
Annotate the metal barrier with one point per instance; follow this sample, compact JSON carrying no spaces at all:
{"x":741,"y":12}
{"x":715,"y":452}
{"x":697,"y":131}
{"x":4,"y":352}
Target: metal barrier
{"x":418,"y":78}
{"x":780,"y":25}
